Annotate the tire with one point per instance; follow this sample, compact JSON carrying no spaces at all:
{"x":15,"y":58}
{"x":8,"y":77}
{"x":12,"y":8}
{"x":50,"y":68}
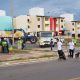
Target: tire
{"x":33,"y":39}
{"x":41,"y":46}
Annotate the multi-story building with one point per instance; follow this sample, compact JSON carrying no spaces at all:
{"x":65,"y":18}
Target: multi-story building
{"x":56,"y":24}
{"x":76,"y":25}
{"x":69,"y":26}
{"x":39,"y":23}
{"x":35,"y":23}
{"x":73,"y":25}
{"x":29,"y":23}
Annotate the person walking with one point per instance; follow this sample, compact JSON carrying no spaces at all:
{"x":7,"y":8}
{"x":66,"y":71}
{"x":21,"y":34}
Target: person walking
{"x":51,"y":44}
{"x":71,"y":49}
{"x":23,"y":42}
{"x":60,"y":51}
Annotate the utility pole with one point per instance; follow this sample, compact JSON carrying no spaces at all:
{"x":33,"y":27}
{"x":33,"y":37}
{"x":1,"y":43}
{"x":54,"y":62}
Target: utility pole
{"x":11,"y":12}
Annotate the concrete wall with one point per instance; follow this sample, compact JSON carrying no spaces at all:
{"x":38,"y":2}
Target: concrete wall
{"x":21,"y":22}
{"x":34,"y":24}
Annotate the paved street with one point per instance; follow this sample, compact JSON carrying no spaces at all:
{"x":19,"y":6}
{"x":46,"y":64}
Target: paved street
{"x":51,"y":70}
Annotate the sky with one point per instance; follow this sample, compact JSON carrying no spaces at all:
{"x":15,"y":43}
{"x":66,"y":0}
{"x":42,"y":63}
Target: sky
{"x":51,"y":7}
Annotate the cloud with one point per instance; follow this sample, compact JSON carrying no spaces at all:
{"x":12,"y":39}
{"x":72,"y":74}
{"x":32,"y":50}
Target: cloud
{"x":54,"y":7}
{"x":55,"y":12}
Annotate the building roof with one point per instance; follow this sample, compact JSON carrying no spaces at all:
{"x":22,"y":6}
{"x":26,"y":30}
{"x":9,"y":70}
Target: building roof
{"x":59,"y":17}
{"x":75,"y":21}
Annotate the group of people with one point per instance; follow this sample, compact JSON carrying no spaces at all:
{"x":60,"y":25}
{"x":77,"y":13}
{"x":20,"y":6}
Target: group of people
{"x":60,"y":50}
{"x":6,"y":44}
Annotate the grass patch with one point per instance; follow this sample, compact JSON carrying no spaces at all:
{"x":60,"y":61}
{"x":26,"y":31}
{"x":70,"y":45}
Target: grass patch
{"x":13,"y":59}
{"x":16,"y":51}
{"x":18,"y":59}
{"x":47,"y":56}
{"x":33,"y":58}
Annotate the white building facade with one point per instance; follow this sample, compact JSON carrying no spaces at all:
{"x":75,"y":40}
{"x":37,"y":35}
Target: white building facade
{"x":36,"y":11}
{"x":20,"y":22}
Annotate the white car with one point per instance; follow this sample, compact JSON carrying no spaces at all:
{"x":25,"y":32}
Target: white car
{"x":45,"y":38}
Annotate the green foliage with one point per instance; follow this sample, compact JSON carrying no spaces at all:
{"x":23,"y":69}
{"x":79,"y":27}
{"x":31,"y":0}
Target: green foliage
{"x":78,"y":43}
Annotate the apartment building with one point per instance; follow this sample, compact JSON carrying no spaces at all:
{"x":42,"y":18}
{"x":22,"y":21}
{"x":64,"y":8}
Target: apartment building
{"x":76,"y":25}
{"x":35,"y":24}
{"x":31,"y":24}
{"x":56,"y":24}
{"x":69,"y":26}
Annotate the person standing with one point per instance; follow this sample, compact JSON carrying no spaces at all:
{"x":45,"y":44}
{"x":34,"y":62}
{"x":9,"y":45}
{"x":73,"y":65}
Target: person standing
{"x":23,"y":44}
{"x":51,"y":44}
{"x":71,"y":49}
{"x":19,"y":43}
{"x":59,"y":45}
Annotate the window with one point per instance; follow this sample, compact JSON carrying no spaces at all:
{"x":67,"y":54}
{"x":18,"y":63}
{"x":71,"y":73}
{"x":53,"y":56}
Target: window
{"x":46,"y":34}
{"x":46,"y":25}
{"x":46,"y":18}
{"x":62,"y":26}
{"x":72,"y":23}
{"x":61,"y":20}
{"x":28,"y":26}
{"x":38,"y":26}
{"x":38,"y":19}
{"x":78,"y":23}
{"x":28,"y":20}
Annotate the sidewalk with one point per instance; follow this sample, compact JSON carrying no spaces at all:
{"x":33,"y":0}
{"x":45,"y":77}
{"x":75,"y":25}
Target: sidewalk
{"x":29,"y":56}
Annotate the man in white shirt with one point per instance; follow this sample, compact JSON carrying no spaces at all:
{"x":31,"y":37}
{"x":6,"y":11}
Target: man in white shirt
{"x":60,"y":51}
{"x":59,"y":46}
{"x":71,"y":48}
